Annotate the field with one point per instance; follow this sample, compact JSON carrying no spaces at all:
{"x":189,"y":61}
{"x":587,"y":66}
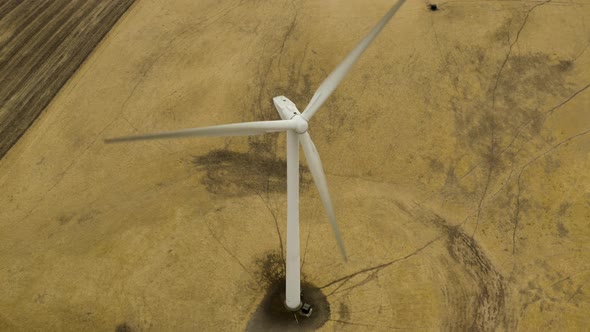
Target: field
{"x":42,"y":43}
{"x":456,"y":151}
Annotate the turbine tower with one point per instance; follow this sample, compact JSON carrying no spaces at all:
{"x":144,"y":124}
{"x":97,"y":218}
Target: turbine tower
{"x":295,"y":124}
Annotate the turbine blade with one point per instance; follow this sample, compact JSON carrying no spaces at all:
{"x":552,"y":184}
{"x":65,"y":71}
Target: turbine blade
{"x":317,"y":172}
{"x":235,"y":129}
{"x":331,"y":82}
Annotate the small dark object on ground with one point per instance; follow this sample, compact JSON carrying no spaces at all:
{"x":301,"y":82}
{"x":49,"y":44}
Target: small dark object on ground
{"x":306,"y":310}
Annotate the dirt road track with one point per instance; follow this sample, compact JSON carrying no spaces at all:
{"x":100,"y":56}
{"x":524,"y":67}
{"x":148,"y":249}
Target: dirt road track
{"x":42,"y":43}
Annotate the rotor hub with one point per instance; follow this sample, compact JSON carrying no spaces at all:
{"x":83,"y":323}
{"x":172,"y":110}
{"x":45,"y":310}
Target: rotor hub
{"x":302,"y":125}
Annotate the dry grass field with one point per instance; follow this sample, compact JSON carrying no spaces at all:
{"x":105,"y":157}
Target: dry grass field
{"x":457,"y":154}
{"x":42,"y":43}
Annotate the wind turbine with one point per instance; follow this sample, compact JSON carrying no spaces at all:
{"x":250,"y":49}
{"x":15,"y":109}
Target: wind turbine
{"x":295,"y":124}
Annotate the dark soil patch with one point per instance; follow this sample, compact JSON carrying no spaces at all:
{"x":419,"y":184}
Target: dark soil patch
{"x":272,"y":315}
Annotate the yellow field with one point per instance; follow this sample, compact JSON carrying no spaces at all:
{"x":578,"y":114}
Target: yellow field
{"x":457,"y":154}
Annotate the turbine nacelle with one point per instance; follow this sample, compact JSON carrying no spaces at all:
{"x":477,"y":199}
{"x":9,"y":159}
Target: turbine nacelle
{"x":285,"y":107}
{"x":288,"y":111}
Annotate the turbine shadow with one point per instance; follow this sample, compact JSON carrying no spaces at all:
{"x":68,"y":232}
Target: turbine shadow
{"x":231,"y":173}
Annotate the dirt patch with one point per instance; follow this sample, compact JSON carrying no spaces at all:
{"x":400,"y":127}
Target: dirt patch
{"x":272,"y":315}
{"x":123,"y":327}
